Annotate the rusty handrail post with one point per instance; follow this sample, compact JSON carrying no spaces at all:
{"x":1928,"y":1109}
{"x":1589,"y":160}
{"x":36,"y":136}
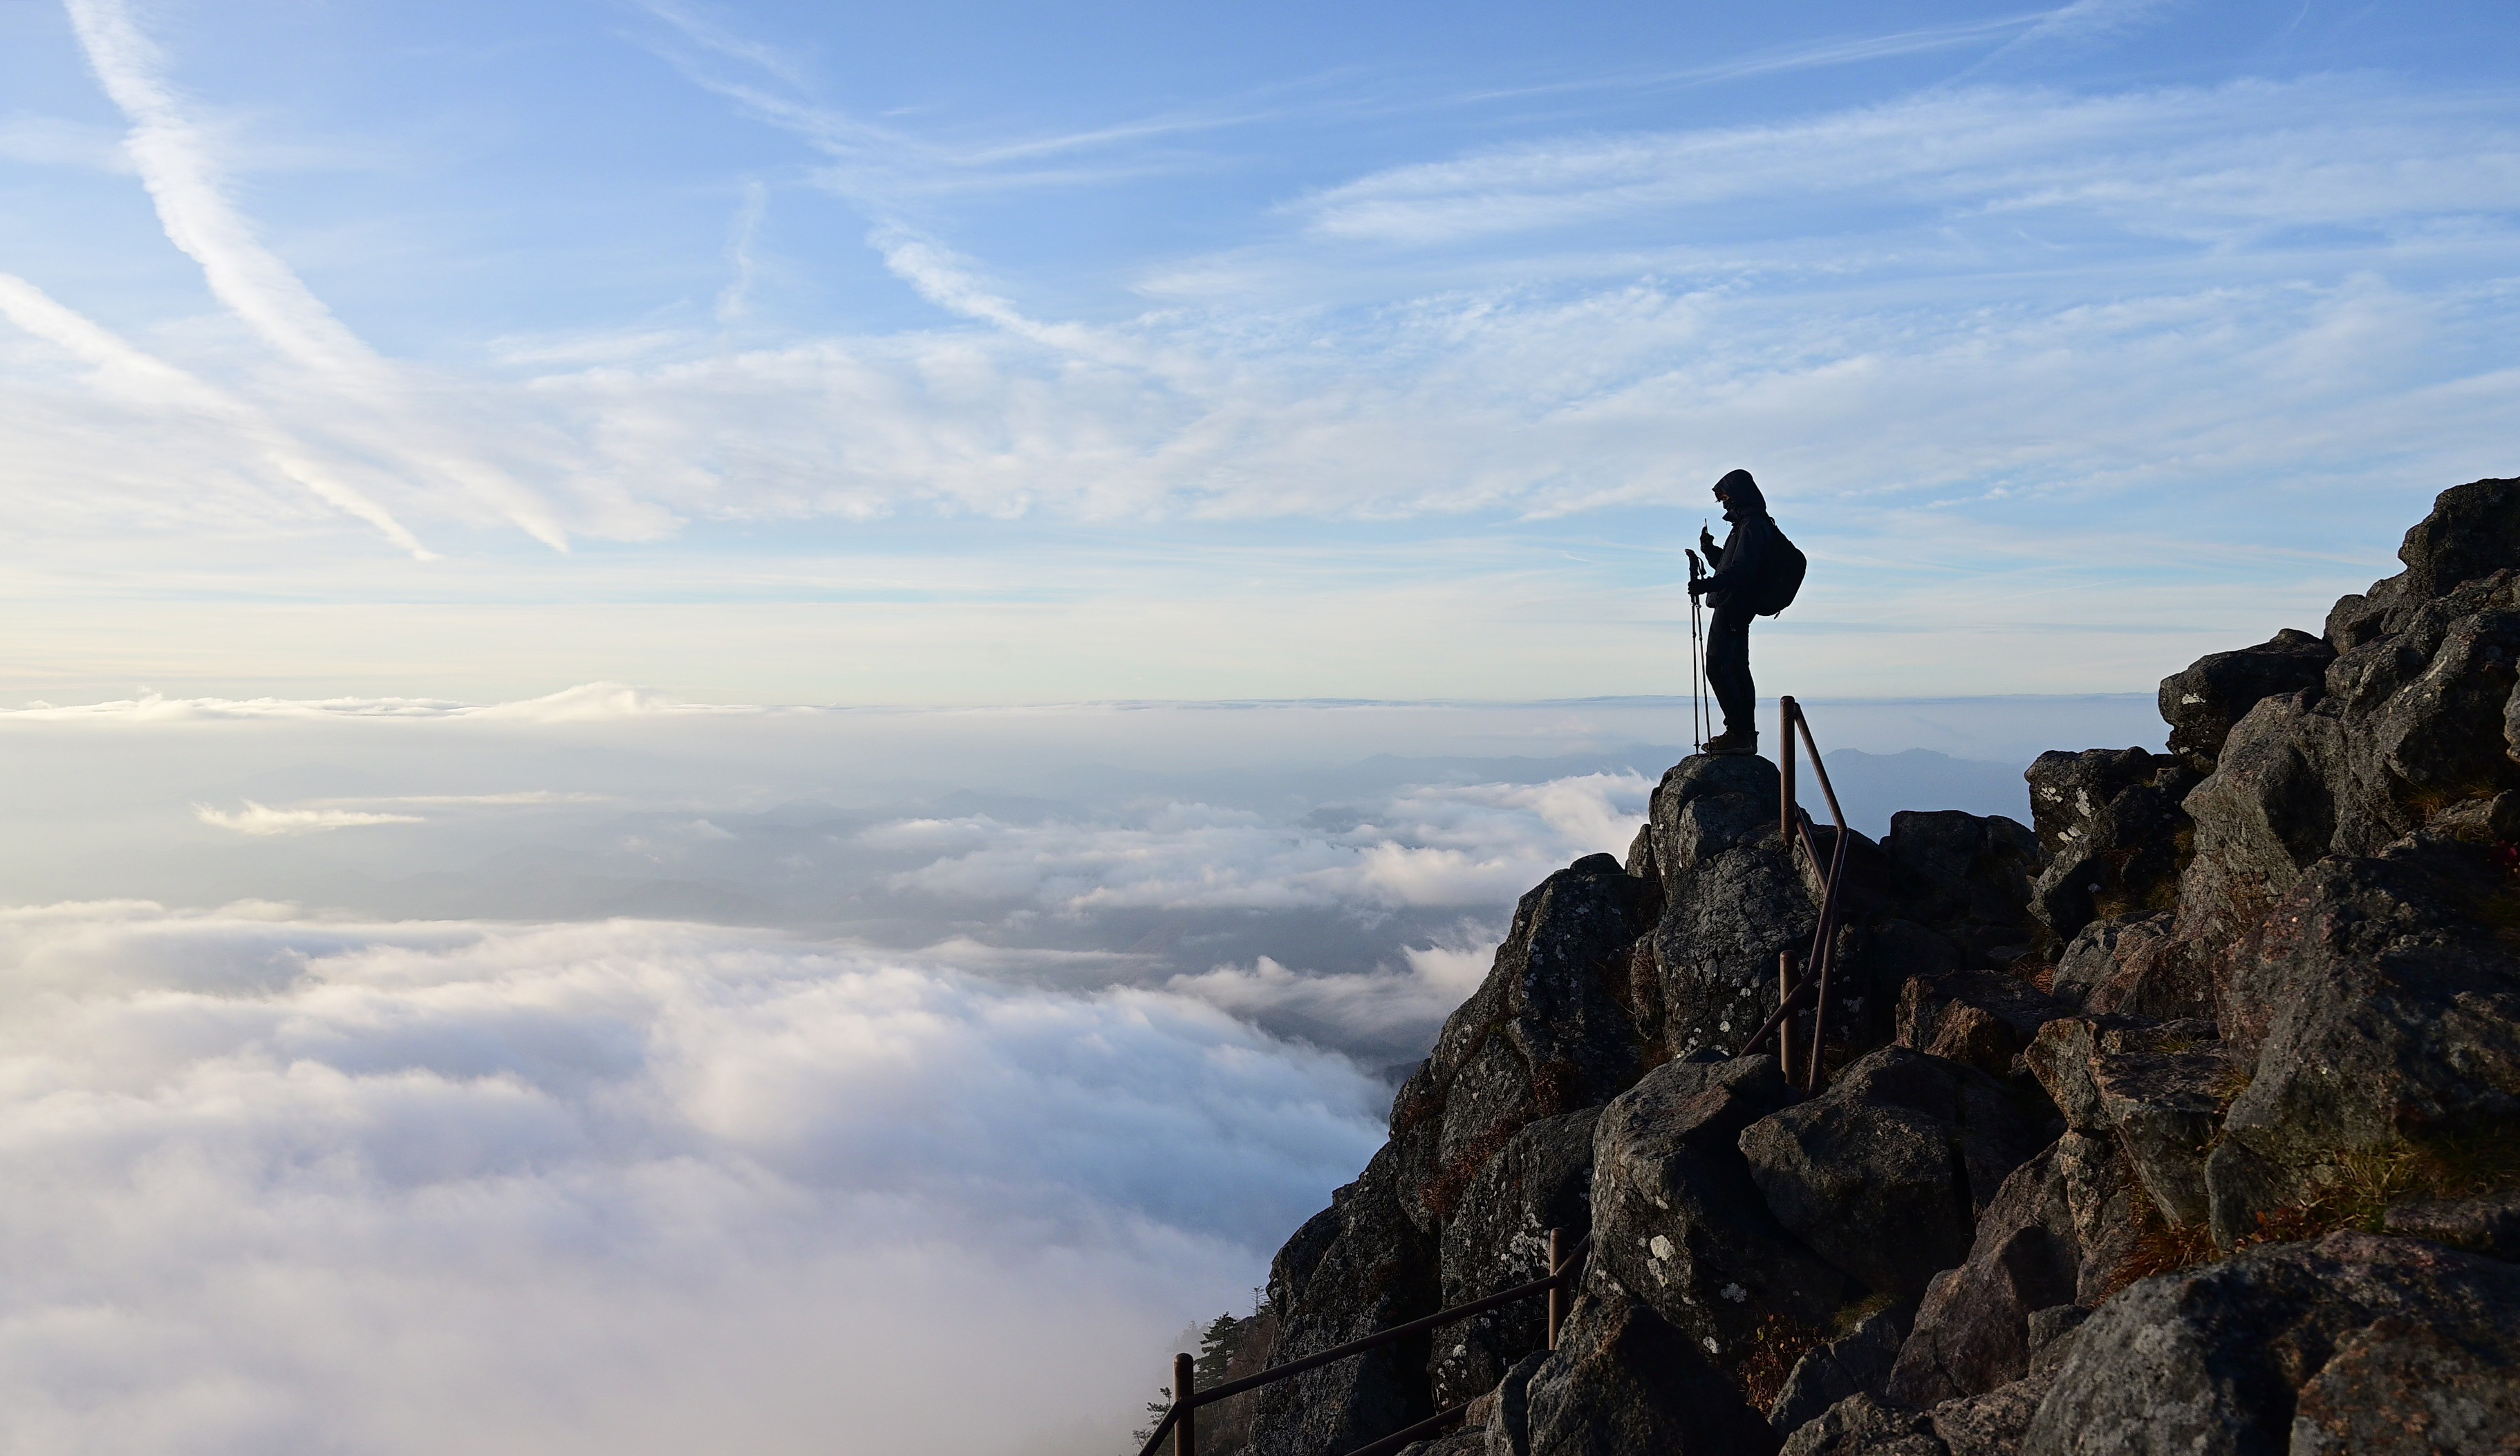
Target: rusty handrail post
{"x":1556,"y":1290}
{"x":1184,"y":1430}
{"x":1786,"y":714}
{"x":1785,"y":1033}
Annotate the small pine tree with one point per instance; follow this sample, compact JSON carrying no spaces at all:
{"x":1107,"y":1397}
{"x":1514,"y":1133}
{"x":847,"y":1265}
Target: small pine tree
{"x":1217,"y":1347}
{"x":1155,"y":1413}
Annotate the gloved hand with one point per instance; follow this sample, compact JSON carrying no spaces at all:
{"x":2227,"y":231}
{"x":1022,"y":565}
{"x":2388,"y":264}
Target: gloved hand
{"x":1696,"y":586}
{"x":1705,"y":540}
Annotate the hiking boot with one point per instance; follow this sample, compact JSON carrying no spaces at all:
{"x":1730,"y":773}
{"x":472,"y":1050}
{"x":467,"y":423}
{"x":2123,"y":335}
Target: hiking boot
{"x":1732,"y":745}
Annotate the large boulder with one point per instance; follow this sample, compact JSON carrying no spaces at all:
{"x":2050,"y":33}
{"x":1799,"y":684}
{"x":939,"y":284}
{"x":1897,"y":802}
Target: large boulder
{"x":1968,"y":878}
{"x":2134,"y":963}
{"x":1499,"y":1236}
{"x":1883,"y":1173}
{"x":1856,"y":1363}
{"x":2157,"y":1089}
{"x":2356,"y":1344}
{"x":1982,"y":1018}
{"x":2473,"y":531}
{"x":1624,"y":1382}
{"x":1677,"y":1221}
{"x":1360,"y":1266}
{"x":2202,"y":701}
{"x":1733,"y":898}
{"x":2051,"y":1242}
{"x":2112,"y":832}
{"x":2381,"y":1013}
{"x":1544,"y":1035}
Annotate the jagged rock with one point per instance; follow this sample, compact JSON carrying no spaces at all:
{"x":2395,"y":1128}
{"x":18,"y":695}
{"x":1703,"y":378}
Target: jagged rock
{"x":1982,"y":1018}
{"x":1867,"y":1426}
{"x":1507,"y":1424}
{"x":2383,"y":1010}
{"x":1967,"y":876}
{"x":1883,"y":1173}
{"x":2357,"y":1342}
{"x":2049,"y":1242}
{"x":1358,"y":1267}
{"x":2111,"y":828}
{"x":1678,"y":1222}
{"x":1856,"y":1363}
{"x":1624,"y":1382}
{"x":2202,"y":701}
{"x":1972,"y":1332}
{"x":1732,"y":897}
{"x":2473,"y":531}
{"x":2488,"y":1225}
{"x":2134,"y":963}
{"x":2158,"y":1088}
{"x":1499,"y":1236}
{"x":1544,"y":1035}
{"x":1988,"y":1425}
{"x":2412,"y":720}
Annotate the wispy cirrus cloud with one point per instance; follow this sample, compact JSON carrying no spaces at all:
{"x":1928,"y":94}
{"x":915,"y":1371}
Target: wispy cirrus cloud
{"x":2200,"y":163}
{"x":177,"y":161}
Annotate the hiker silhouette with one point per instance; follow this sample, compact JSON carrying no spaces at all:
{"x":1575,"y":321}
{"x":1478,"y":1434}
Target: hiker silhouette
{"x":1748,"y":568}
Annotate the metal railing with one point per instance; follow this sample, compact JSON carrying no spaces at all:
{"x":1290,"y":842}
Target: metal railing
{"x":1181,"y":1421}
{"x":1794,"y":826}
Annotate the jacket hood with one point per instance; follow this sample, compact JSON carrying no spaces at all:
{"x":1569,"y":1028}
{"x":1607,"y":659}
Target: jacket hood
{"x":1744,"y":493}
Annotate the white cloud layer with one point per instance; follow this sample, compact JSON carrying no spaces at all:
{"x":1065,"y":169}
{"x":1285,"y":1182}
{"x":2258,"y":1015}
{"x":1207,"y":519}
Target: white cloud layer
{"x":1437,"y":846}
{"x":278,"y":1185}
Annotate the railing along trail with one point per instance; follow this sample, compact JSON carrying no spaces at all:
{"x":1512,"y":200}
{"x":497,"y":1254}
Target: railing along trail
{"x":1796,"y":826}
{"x":1181,"y":1422}
{"x":1802,"y":1069}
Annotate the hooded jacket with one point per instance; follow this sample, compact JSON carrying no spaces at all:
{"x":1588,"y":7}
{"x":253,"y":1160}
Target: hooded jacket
{"x":1749,"y":551}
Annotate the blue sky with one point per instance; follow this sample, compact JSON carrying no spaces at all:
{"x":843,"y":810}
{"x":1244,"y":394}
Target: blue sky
{"x":971,"y":354}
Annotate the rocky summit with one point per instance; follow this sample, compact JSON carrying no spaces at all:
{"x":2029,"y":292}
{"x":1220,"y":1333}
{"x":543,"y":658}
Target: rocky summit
{"x":2186,"y":1118}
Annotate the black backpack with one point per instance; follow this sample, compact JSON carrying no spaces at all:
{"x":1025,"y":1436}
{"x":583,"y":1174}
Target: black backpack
{"x":1785,"y":578}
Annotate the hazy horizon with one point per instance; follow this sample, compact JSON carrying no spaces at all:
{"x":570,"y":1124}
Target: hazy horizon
{"x":722,"y":717}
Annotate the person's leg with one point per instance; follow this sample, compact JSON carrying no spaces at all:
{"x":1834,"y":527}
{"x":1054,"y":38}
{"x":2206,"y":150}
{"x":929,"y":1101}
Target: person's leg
{"x":1727,"y":672}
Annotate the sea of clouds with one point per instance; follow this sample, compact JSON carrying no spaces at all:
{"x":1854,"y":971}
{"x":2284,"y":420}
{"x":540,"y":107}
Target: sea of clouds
{"x":609,"y":1074}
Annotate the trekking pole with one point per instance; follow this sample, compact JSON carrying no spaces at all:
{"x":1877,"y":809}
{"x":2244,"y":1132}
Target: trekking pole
{"x":1696,"y":661}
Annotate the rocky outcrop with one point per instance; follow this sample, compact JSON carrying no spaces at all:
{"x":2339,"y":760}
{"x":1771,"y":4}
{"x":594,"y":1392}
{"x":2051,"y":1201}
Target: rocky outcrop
{"x":2112,"y":832}
{"x":2201,"y":701}
{"x":1360,"y":1266}
{"x":2187,"y":1121}
{"x":2356,"y":1343}
{"x":1982,"y":1018}
{"x":1883,"y":1173}
{"x":1856,"y":1363}
{"x":1679,"y":1222}
{"x":1733,"y":898}
{"x":1625,"y":1380}
{"x":2381,"y":1012}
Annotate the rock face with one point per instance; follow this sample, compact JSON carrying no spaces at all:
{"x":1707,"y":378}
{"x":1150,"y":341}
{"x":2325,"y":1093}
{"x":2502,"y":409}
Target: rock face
{"x":1884,"y":1172}
{"x":2239,"y":1171}
{"x":2356,"y":1343}
{"x":1679,"y":1222}
{"x":2110,"y":825}
{"x":2202,"y":701}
